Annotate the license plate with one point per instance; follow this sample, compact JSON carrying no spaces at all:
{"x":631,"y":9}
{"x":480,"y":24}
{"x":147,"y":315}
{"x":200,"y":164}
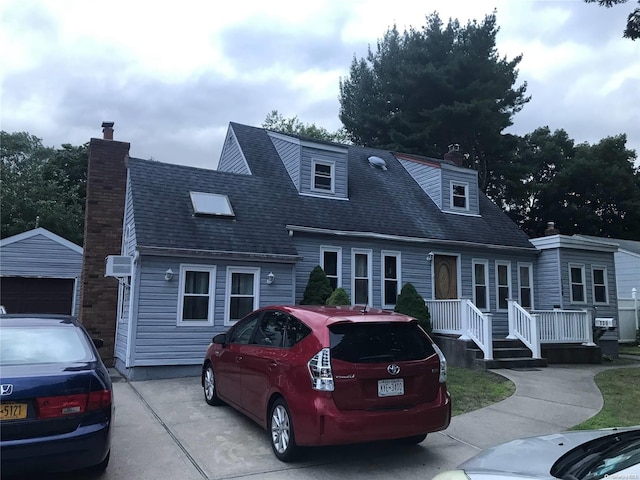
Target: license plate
{"x":13,"y":411}
{"x":390,"y":387}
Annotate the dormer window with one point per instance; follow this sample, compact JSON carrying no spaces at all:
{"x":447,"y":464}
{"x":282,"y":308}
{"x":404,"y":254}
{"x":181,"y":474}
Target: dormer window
{"x":460,"y":195}
{"x":323,"y":176}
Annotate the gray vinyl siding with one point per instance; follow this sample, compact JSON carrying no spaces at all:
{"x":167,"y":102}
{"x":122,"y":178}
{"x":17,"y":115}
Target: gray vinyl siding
{"x":290,"y":154}
{"x":627,"y":273}
{"x":129,"y":223}
{"x":470,"y":177}
{"x":429,"y":178}
{"x":159,"y":340}
{"x":548,"y":289}
{"x":232,"y":159}
{"x":340,"y":174}
{"x":40,"y":256}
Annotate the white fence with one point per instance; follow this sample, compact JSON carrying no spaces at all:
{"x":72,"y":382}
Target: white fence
{"x":628,"y":314}
{"x":461,"y":317}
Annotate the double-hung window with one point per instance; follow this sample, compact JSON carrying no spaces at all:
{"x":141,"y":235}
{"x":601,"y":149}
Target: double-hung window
{"x":460,"y":195}
{"x":503,"y":284}
{"x":578,"y":293}
{"x":243,"y":289}
{"x":525,"y":285}
{"x":323,"y":176}
{"x":331,"y":263}
{"x":361,"y":287}
{"x":481,"y":284}
{"x":197,"y":287}
{"x":390,"y":278}
{"x":600,"y":290}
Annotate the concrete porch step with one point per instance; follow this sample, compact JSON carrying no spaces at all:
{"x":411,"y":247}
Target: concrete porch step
{"x":515,"y":362}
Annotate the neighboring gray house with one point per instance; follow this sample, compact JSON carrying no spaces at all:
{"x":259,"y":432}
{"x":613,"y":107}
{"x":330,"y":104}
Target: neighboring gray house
{"x":40,"y":273}
{"x":208,"y":246}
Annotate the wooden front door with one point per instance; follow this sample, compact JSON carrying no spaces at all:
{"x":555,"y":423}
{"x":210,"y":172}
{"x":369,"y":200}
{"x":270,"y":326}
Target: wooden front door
{"x":445,"y":277}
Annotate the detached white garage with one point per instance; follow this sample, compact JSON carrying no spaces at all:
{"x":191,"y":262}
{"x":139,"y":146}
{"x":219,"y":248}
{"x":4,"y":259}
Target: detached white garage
{"x":40,"y":273}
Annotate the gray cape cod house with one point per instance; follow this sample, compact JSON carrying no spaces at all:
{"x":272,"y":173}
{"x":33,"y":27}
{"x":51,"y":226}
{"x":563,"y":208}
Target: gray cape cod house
{"x":208,"y":246}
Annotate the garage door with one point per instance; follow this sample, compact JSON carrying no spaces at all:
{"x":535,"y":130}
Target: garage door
{"x":37,"y":295}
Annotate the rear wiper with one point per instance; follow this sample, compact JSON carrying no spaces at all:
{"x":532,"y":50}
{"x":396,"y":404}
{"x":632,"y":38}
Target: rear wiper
{"x":385,"y":356}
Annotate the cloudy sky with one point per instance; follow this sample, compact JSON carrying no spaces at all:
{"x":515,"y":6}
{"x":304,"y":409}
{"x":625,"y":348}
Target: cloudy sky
{"x":172,"y":75}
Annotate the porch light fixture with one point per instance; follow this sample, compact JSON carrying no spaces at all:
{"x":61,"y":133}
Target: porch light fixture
{"x":168,"y":275}
{"x":429,"y":256}
{"x":270,"y":278}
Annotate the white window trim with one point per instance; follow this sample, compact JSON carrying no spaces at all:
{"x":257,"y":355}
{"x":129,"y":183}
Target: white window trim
{"x":338,"y":250}
{"x":227,"y":295}
{"x":475,"y":262}
{"x":509,"y":286}
{"x":466,"y":195}
{"x":584,"y":284}
{"x":530,"y":267}
{"x":606,"y":284}
{"x":212,"y":289}
{"x":329,"y":163}
{"x":398,"y":279}
{"x":369,"y":254}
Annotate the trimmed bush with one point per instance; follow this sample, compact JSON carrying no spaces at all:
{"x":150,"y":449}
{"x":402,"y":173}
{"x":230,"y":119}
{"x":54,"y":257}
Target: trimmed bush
{"x":318,"y":288}
{"x":338,"y":297}
{"x":411,"y":303}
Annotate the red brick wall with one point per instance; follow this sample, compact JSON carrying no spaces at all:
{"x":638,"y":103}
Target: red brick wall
{"x":106,"y":185}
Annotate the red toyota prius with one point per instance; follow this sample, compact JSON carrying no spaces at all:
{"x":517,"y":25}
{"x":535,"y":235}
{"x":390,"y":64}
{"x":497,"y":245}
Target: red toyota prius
{"x":330,"y":375}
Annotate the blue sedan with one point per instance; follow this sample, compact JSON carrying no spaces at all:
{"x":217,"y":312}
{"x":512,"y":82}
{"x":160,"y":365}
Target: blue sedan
{"x":56,"y":402}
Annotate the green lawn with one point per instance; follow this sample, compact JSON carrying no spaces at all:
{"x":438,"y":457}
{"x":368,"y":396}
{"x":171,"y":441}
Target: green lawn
{"x":621,"y":392}
{"x":630,"y":349}
{"x":471,"y":389}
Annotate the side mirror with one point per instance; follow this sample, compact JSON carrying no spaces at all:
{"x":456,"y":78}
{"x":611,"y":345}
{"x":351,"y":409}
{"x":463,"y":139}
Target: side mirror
{"x":220,"y":339}
{"x":98,"y":342}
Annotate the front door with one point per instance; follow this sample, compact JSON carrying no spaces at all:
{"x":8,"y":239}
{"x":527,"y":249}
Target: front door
{"x":445,"y":277}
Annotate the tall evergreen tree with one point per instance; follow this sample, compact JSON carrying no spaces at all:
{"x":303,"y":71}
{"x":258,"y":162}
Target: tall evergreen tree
{"x":423,"y":90}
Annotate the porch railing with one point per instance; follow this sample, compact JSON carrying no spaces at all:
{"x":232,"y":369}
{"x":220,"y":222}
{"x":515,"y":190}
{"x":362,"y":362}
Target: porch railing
{"x":524,"y":326}
{"x":461,"y":317}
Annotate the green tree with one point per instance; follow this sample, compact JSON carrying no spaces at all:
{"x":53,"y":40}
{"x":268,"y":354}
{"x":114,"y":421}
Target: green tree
{"x":42,"y":186}
{"x":292,"y":125}
{"x":411,"y":303}
{"x":632,"y":29}
{"x":423,"y":90}
{"x":597,"y":192}
{"x":318,"y":288}
{"x":338,"y":297}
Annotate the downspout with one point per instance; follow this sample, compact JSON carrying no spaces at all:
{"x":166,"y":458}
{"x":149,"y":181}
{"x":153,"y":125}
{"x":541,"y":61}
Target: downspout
{"x":132,"y":295}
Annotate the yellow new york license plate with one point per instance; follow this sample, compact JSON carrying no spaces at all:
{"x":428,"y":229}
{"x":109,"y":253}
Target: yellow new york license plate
{"x":13,"y":411}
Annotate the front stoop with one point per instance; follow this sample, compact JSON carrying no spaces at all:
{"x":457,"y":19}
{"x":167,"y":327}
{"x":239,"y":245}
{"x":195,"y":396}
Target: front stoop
{"x":507,"y":354}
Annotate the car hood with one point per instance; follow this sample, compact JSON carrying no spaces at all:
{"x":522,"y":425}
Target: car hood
{"x":531,"y":457}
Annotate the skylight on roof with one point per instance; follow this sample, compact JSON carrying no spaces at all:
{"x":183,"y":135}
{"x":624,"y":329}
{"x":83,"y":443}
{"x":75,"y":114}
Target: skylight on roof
{"x":211,"y":204}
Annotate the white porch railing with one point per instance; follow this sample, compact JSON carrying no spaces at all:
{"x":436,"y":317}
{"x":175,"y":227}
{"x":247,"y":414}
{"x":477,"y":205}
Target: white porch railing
{"x":524,"y":327}
{"x":549,"y":326}
{"x":461,"y":317}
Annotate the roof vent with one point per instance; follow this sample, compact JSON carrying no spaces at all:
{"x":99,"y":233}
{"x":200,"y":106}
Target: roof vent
{"x":377,"y":162}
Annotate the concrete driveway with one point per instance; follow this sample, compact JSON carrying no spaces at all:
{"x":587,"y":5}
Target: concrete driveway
{"x":165,"y":430}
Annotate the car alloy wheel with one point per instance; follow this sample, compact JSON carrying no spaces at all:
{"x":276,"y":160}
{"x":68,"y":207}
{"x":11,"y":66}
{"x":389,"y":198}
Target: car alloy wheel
{"x":281,"y":427}
{"x":209,"y":385}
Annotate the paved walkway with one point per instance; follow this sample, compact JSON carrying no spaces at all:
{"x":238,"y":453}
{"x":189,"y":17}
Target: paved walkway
{"x":546,"y":400}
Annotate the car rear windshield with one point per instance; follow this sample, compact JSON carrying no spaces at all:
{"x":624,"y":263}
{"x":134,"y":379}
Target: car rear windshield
{"x":379,"y":342}
{"x":28,"y":345}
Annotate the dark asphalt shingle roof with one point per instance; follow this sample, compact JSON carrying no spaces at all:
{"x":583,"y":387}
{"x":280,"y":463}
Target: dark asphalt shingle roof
{"x":387,"y":202}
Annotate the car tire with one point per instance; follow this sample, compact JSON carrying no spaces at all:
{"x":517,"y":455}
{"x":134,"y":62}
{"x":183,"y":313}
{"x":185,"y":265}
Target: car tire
{"x":413,"y":440}
{"x":209,"y":386}
{"x":283,"y":440}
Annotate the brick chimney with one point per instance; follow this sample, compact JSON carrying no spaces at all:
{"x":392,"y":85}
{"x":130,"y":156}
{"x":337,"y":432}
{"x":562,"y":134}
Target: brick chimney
{"x":551,"y":229}
{"x":104,"y":211}
{"x":454,"y":155}
{"x":107,"y":130}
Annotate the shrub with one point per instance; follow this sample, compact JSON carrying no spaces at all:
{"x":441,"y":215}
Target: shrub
{"x":338,"y":297}
{"x":318,"y":288}
{"x":411,"y":303}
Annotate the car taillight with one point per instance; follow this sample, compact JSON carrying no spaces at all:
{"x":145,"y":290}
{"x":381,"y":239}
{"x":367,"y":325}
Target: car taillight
{"x":320,"y":370}
{"x":443,"y":365}
{"x":60,"y":406}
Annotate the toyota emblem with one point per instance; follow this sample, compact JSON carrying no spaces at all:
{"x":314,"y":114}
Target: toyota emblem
{"x":393,"y":369}
{"x":6,"y":389}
